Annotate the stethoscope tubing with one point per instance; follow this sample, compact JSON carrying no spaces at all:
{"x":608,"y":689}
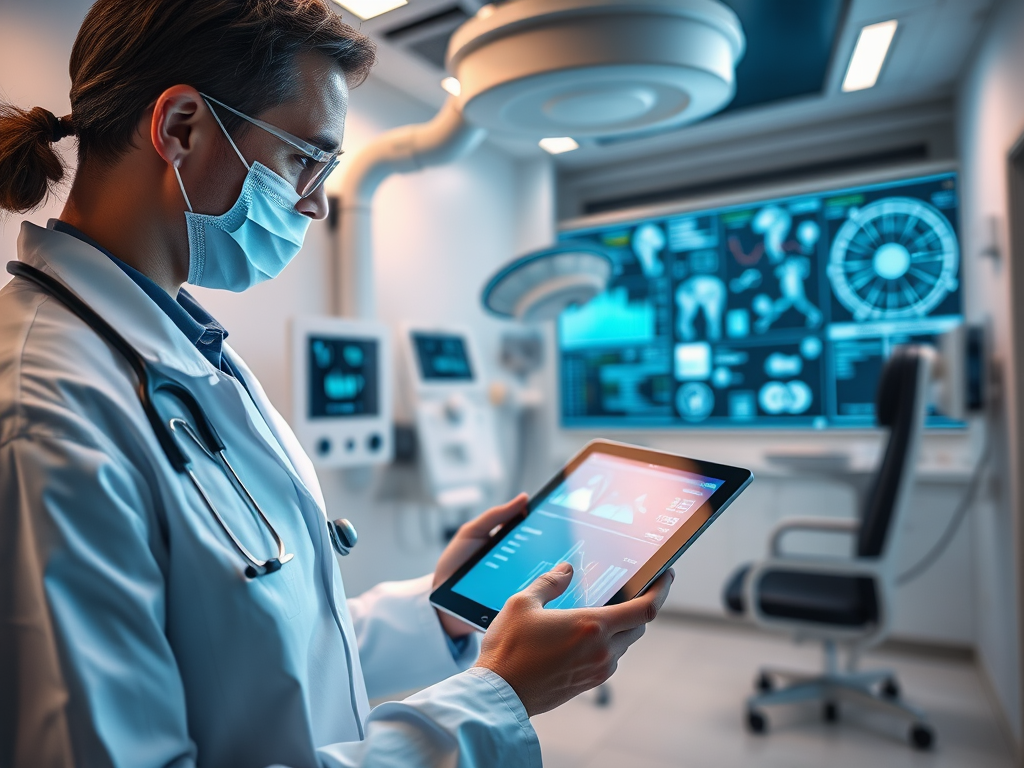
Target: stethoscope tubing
{"x":203,"y":435}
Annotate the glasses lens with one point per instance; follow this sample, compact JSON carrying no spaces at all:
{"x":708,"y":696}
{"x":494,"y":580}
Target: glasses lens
{"x":314,"y":176}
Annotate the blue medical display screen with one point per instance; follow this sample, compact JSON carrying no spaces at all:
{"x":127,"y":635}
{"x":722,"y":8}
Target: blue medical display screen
{"x":779,"y":313}
{"x":342,"y":377}
{"x":607,"y":519}
{"x":442,"y":356}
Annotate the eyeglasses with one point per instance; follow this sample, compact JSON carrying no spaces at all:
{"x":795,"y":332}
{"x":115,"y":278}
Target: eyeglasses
{"x":312,"y":175}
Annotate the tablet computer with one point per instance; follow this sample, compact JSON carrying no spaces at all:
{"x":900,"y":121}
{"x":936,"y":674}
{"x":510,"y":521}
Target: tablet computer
{"x":619,"y":514}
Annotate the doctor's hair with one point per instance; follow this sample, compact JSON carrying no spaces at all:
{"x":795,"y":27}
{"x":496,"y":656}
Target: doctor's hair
{"x":128,"y":52}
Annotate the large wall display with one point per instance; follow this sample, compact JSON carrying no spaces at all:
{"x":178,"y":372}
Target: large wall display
{"x":778,"y":313}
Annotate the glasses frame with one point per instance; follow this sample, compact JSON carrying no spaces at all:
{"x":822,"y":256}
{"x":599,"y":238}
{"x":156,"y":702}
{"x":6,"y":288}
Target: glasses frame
{"x":313,"y":152}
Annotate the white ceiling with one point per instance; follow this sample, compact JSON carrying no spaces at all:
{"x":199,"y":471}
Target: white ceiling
{"x":933,"y":44}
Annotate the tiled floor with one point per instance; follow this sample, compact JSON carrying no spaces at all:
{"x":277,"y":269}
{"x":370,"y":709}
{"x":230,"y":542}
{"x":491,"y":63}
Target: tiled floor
{"x":677,"y":700}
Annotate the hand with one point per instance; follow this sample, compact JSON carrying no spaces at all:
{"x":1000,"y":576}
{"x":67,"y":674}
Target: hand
{"x":463,"y":545}
{"x":548,"y":657}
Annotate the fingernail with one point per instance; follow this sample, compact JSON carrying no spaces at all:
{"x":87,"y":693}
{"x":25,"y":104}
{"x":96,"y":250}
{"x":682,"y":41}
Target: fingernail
{"x":672,"y":573}
{"x":563,"y":568}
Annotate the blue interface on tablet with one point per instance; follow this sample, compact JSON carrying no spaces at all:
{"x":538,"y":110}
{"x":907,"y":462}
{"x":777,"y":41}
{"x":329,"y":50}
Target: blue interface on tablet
{"x":606,"y":519}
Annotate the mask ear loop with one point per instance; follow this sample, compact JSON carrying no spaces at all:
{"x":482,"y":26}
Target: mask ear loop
{"x":228,"y":135}
{"x":181,"y":186}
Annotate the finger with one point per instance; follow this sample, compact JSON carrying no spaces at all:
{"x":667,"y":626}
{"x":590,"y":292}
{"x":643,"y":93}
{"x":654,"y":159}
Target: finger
{"x":495,"y":516}
{"x":550,"y":585}
{"x":639,"y":610}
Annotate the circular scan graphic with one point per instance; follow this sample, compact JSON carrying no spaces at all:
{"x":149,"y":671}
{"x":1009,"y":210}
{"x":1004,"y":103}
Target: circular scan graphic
{"x":894,"y":258}
{"x":695,"y":401}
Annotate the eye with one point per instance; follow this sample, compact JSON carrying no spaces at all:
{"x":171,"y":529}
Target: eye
{"x":305,"y":162}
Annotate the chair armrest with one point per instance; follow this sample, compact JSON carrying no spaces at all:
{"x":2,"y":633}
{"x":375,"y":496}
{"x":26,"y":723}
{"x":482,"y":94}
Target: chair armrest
{"x":821,"y":524}
{"x":862,"y":567}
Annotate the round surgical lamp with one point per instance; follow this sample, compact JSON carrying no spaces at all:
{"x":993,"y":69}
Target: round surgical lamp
{"x":578,"y":68}
{"x":543,"y":69}
{"x":541,"y":284}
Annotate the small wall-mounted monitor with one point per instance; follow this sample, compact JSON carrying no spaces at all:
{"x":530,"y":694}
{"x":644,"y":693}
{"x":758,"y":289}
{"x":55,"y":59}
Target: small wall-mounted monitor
{"x":454,"y":419}
{"x":442,"y":356}
{"x":342,"y":386}
{"x":771,"y":313}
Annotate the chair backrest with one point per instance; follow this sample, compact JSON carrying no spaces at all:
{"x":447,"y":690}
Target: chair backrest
{"x":900,"y":403}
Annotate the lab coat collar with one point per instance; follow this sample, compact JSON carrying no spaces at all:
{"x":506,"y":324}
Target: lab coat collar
{"x":112,"y":295}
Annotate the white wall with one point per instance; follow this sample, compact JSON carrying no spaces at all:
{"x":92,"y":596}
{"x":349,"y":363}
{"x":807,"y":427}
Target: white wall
{"x":990,"y":121}
{"x":35,"y":44}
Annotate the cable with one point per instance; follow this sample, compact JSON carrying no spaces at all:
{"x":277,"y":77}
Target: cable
{"x":957,"y":518}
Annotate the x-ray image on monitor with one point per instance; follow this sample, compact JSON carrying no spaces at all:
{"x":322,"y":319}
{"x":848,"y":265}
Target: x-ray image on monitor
{"x":777,"y":313}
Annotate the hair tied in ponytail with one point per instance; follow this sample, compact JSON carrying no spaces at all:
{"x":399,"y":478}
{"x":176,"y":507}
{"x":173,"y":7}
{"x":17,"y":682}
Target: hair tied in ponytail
{"x":60,"y":127}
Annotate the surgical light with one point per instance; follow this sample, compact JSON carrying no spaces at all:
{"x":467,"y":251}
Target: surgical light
{"x":368,"y":9}
{"x":559,"y":144}
{"x":869,"y":55}
{"x":452,"y":85}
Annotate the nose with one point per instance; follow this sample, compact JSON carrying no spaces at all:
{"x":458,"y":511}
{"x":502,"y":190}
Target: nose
{"x":315,"y":206}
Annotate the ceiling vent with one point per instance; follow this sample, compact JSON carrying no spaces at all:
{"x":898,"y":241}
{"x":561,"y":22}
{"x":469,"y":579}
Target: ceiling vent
{"x":428,"y":37}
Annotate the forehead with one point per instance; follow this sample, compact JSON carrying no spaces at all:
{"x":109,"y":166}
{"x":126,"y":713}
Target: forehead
{"x":318,"y":104}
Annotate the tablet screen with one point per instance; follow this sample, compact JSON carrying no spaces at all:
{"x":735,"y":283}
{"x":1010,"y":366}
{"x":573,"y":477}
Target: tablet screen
{"x":607,"y":519}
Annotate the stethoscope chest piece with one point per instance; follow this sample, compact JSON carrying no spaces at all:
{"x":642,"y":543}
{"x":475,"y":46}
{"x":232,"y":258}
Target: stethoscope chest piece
{"x":343,"y":535}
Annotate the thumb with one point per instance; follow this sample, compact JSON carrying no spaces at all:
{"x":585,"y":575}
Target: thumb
{"x":550,"y":585}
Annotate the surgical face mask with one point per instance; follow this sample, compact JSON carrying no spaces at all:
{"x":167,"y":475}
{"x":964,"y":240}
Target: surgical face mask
{"x":257,"y":237}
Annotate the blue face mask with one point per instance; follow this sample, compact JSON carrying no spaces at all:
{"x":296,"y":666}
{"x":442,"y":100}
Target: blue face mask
{"x":257,"y":237}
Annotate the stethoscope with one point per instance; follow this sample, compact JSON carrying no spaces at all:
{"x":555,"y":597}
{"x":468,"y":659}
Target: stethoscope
{"x":150,"y":381}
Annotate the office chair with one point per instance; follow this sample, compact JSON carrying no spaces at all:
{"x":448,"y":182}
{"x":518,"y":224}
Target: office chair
{"x":844,"y":603}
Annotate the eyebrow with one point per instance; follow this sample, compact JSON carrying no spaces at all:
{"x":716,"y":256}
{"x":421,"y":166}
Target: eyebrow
{"x":325,"y":142}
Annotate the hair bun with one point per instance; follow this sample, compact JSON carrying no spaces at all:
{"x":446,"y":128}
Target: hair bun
{"x":29,"y":164}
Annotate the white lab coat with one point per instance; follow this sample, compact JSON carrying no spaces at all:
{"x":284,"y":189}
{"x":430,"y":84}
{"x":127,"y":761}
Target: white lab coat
{"x":129,"y":635}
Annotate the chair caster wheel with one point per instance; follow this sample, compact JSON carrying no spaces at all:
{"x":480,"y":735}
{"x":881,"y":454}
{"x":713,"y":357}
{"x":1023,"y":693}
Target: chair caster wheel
{"x":756,"y":721}
{"x":764,"y":683}
{"x":921,"y":736}
{"x":830,"y":712}
{"x":890,"y":689}
{"x":603,"y":695}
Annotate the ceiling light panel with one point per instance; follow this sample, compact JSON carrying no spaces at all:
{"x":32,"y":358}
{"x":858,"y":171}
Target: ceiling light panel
{"x":558,"y":145}
{"x":452,"y":85}
{"x":869,"y":55}
{"x":368,"y":9}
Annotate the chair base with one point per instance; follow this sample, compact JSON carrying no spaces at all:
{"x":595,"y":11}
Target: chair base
{"x":876,"y":690}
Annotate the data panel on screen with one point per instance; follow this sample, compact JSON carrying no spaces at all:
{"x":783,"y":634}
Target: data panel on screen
{"x":778,"y":313}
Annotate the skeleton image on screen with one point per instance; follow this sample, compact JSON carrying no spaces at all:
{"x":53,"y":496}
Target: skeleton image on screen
{"x":648,"y":241}
{"x":701,"y":293}
{"x":792,"y":273}
{"x":774,"y":313}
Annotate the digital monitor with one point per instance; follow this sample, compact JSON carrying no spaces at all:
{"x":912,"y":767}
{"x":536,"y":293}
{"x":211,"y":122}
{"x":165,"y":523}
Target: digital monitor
{"x":776,"y":313}
{"x":442,"y":357}
{"x":342,"y":377}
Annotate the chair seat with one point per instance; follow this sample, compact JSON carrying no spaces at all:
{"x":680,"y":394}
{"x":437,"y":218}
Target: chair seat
{"x":847,"y":601}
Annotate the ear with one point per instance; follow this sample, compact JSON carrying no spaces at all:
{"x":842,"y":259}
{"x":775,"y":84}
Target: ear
{"x":176,"y":122}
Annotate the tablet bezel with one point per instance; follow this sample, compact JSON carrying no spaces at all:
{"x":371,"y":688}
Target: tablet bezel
{"x":734,"y":480}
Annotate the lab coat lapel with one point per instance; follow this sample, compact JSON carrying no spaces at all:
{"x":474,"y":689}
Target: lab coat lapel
{"x":113,"y":295}
{"x":300,"y":463}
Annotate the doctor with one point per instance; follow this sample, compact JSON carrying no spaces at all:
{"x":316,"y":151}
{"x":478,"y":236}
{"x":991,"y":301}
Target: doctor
{"x":155,"y":616}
